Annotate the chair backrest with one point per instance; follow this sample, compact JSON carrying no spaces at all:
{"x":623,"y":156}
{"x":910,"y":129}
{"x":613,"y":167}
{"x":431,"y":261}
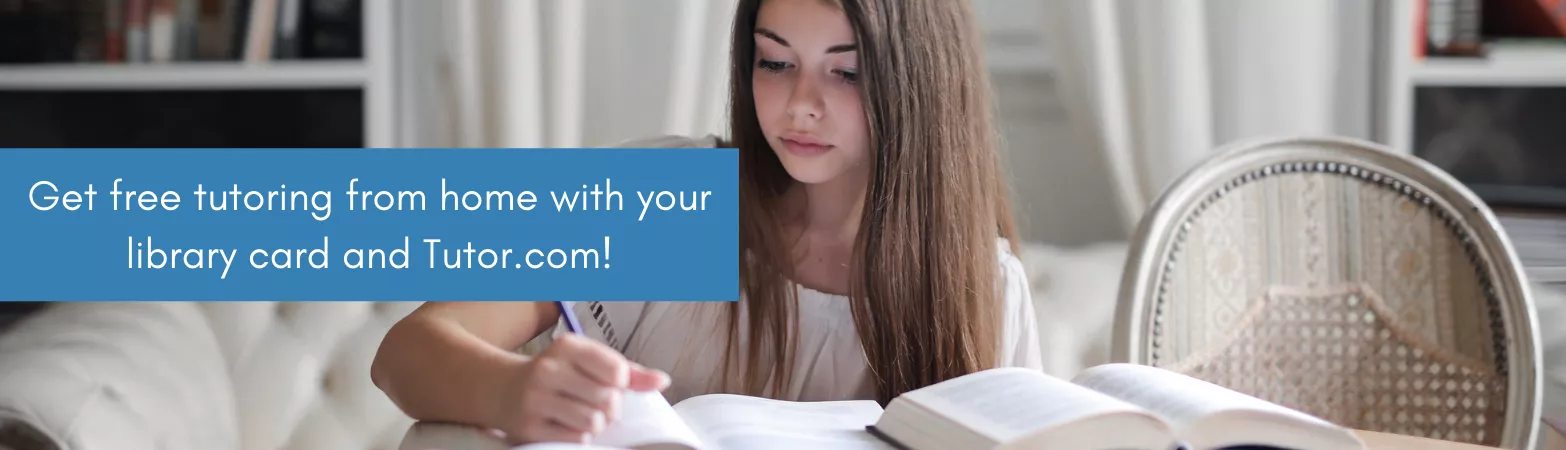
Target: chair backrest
{"x":1337,"y":277}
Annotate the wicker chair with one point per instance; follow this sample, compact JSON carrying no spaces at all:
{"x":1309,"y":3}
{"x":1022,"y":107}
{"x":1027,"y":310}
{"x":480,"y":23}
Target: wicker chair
{"x":1339,"y":278}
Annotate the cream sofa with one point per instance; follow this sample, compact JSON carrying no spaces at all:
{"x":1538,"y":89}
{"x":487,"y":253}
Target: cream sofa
{"x":198,"y":376}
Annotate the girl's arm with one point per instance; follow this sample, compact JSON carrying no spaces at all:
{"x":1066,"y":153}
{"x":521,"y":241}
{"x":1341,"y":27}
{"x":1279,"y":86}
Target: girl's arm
{"x":453,"y":362}
{"x":446,"y":361}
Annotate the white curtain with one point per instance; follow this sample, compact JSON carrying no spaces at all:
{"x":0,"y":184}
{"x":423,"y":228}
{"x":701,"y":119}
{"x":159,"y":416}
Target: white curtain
{"x":1153,"y":85}
{"x":1157,"y":85}
{"x":561,"y":73}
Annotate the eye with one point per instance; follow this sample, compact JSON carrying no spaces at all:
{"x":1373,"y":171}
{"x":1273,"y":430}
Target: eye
{"x":849,"y":76}
{"x":772,"y":66}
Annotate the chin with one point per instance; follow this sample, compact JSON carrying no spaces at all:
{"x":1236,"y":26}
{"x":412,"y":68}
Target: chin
{"x":813,"y":170}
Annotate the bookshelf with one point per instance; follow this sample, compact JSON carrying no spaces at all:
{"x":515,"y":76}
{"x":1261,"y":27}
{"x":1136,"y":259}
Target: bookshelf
{"x":1519,"y":69}
{"x":1402,"y":71}
{"x":187,"y":75}
{"x":1486,"y":108}
{"x":362,"y":87}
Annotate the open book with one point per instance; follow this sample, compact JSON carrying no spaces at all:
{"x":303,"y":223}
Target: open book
{"x":1112,"y":406}
{"x":722,"y":421}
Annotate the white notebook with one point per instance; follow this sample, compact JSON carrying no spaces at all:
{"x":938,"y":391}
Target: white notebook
{"x":721,"y":421}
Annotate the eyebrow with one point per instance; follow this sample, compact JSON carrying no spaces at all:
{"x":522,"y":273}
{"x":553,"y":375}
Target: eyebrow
{"x":840,"y":48}
{"x":773,"y":36}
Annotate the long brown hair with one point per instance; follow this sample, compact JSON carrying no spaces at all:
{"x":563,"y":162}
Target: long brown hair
{"x":925,"y":292}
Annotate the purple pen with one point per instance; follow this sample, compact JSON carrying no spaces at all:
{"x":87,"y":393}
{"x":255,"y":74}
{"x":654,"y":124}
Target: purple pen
{"x":572,"y":325}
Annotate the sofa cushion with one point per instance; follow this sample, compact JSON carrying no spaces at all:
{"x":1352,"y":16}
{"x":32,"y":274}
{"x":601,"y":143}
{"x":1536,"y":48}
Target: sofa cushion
{"x":117,"y":375}
{"x":301,"y":373}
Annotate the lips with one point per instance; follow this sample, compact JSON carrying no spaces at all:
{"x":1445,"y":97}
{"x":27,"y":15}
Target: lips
{"x":804,"y":145}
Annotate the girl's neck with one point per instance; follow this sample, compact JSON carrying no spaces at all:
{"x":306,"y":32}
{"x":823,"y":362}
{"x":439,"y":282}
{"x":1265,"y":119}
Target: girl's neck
{"x":829,"y":212}
{"x":823,"y":219}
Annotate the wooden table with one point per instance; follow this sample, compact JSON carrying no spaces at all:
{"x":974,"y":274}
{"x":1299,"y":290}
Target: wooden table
{"x":1384,"y":441}
{"x":435,"y":436}
{"x":1554,"y":434}
{"x":1554,"y":438}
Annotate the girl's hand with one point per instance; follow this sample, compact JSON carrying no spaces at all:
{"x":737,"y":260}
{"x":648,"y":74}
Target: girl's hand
{"x":571,"y":391}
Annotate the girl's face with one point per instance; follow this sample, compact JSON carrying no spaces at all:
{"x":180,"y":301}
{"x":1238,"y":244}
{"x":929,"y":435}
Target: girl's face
{"x":805,"y":89}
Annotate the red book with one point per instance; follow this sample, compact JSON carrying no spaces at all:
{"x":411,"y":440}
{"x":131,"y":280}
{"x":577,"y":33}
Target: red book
{"x":1420,"y":28}
{"x":1525,"y":18}
{"x":114,"y":31}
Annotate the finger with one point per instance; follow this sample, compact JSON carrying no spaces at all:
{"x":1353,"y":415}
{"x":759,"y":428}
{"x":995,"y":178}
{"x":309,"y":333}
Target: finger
{"x":645,"y":379}
{"x":612,"y":411}
{"x":559,"y":376}
{"x":570,"y":383}
{"x":545,"y":430}
{"x":597,"y":361}
{"x":573,"y":415}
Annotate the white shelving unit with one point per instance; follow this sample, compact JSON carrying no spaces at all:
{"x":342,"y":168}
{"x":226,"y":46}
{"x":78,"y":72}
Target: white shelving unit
{"x":1502,"y":68}
{"x":191,"y":75}
{"x":373,"y":73}
{"x":1401,"y":72}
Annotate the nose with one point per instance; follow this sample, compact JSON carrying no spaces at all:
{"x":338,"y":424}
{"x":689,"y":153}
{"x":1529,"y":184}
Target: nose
{"x":805,"y":103}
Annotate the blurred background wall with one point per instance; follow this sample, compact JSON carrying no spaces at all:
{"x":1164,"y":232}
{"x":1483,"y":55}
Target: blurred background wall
{"x":1187,"y":75}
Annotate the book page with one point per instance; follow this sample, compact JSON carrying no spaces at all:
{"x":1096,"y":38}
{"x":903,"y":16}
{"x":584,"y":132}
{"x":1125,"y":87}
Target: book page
{"x":647,"y":418}
{"x":562,"y":446}
{"x":1009,"y":403}
{"x":725,"y":421}
{"x":1185,"y":402}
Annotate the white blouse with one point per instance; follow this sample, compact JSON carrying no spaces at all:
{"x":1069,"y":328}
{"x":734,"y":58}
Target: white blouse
{"x":688,"y":339}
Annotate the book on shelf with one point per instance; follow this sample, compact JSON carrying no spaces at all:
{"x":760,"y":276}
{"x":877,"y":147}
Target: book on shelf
{"x":90,"y":29}
{"x":260,"y":29}
{"x":138,"y":45}
{"x":1113,"y":406}
{"x":161,"y":21}
{"x":1525,"y":18}
{"x":213,"y":35}
{"x":331,"y":29}
{"x":113,"y":36}
{"x":1473,"y":28}
{"x":161,"y":31}
{"x":286,"y":39}
{"x":1451,"y":27}
{"x":187,"y":17}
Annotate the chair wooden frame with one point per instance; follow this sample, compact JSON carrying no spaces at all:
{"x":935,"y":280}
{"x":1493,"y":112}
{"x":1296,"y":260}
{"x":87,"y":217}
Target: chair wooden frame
{"x":1160,"y":235}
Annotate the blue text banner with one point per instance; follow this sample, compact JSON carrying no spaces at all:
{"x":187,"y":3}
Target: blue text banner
{"x":369,"y":224}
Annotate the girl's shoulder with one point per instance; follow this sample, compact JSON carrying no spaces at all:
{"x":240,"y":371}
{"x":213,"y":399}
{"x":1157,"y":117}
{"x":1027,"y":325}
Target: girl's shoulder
{"x":1022,"y":347}
{"x":1011,"y":265}
{"x":670,"y":141}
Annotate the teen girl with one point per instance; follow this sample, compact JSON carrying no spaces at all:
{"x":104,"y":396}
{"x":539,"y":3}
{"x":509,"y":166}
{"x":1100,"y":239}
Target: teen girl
{"x":875,"y":245}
